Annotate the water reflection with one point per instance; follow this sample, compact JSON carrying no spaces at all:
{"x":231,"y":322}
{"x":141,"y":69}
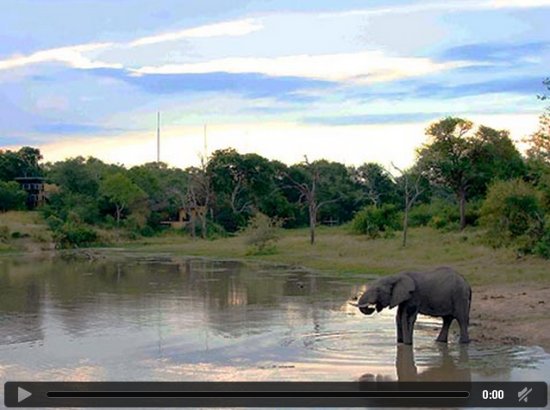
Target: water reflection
{"x":151,"y":318}
{"x":442,"y":367}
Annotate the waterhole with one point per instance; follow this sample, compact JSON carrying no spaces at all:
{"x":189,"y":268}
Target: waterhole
{"x":190,"y":319}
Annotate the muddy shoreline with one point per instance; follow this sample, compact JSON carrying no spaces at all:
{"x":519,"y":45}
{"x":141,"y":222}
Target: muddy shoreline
{"x":512,"y":314}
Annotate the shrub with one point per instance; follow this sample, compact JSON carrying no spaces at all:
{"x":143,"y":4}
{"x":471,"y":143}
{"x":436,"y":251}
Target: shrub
{"x":261,"y":234}
{"x":54,"y":223}
{"x":213,"y":230}
{"x":11,"y":196}
{"x":72,"y":235}
{"x":443,"y":214}
{"x":420,"y":215}
{"x":4,"y":233}
{"x":373,"y":220}
{"x":513,"y":215}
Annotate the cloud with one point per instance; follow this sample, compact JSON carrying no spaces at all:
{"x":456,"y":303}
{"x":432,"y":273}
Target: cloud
{"x":518,"y":3}
{"x":71,"y":55}
{"x":495,"y":52}
{"x":75,"y":56}
{"x":74,"y":129}
{"x":250,"y":84}
{"x":224,"y":29}
{"x":362,"y":67}
{"x":397,"y":118}
{"x":464,"y":5}
{"x":511,"y":85}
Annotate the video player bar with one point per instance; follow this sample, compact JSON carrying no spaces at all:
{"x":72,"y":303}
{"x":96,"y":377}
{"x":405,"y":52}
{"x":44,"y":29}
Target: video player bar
{"x":275,"y":394}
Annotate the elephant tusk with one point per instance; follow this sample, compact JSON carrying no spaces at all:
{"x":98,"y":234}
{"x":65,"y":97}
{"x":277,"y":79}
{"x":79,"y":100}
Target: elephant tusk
{"x":357,"y":305}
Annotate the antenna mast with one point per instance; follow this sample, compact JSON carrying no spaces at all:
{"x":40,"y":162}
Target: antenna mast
{"x":205,"y":143}
{"x":158,"y":136}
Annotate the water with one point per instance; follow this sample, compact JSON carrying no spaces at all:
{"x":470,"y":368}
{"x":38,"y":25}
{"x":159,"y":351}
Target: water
{"x":167,"y":319}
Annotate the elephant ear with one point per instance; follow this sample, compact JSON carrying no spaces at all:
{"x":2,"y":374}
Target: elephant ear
{"x":402,"y":290}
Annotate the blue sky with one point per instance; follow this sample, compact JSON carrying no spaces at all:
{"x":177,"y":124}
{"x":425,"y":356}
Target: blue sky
{"x":351,"y":81}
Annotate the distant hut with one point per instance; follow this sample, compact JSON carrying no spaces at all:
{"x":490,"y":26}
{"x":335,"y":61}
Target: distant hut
{"x":35,"y":189}
{"x":186,"y":216}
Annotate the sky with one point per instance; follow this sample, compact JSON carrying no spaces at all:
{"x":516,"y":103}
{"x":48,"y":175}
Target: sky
{"x":346,"y":80}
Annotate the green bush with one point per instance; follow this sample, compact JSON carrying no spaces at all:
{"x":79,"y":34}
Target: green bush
{"x":11,"y":196}
{"x":54,"y":223}
{"x":373,"y":220}
{"x":213,"y":230}
{"x":72,"y":235}
{"x":261,"y":234}
{"x":19,"y":235}
{"x":513,"y":215}
{"x":4,"y":233}
{"x":420,"y":215}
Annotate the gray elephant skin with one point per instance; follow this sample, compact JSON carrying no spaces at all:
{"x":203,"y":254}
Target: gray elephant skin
{"x":439,"y":293}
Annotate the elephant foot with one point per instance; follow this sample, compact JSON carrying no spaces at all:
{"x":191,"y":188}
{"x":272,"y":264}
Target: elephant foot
{"x":408,"y":343}
{"x":399,"y":340}
{"x":464,"y":341}
{"x":441,"y":340}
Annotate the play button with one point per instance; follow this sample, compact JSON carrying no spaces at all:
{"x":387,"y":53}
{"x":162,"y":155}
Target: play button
{"x":22,"y":394}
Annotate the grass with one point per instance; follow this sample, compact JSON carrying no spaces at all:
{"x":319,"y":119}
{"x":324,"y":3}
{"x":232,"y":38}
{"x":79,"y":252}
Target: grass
{"x":337,"y":251}
{"x":27,"y":231}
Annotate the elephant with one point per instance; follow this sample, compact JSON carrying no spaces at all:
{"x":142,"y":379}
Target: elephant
{"x":438,"y":293}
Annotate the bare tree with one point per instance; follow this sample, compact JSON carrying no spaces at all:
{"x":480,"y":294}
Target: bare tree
{"x":411,"y":192}
{"x":199,"y":196}
{"x":308,"y":195}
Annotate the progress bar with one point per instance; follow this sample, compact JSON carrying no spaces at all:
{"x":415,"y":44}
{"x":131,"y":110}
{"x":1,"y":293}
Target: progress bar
{"x":275,"y":394}
{"x":262,"y":394}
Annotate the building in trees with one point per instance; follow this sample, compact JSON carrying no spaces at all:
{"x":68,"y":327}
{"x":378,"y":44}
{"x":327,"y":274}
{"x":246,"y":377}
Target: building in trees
{"x":35,"y":189}
{"x":186,"y":217}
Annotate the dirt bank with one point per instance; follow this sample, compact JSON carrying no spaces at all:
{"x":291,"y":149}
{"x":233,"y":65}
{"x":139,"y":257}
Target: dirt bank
{"x":512,"y":313}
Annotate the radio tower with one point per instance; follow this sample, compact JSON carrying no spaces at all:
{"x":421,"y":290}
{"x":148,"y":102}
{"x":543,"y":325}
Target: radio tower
{"x":158,"y":137}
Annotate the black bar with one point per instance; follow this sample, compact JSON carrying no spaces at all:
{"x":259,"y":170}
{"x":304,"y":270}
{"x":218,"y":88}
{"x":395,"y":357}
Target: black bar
{"x":275,"y":394}
{"x":255,"y":394}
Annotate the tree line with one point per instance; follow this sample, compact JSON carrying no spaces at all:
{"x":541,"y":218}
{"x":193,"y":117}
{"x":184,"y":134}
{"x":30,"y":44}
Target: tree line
{"x":463,"y":175}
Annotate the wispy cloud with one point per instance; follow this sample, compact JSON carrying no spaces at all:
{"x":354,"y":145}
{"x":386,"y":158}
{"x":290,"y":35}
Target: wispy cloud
{"x":253,"y":85}
{"x":74,"y":129}
{"x":75,"y":56}
{"x":224,"y":29}
{"x":362,"y":67}
{"x":71,"y":55}
{"x":464,"y":5}
{"x":495,"y":52}
{"x":397,"y":118}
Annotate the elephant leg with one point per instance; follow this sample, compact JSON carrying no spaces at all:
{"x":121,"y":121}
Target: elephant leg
{"x":405,"y":327}
{"x":408,"y":318}
{"x":463,"y":321}
{"x":412,"y":320}
{"x":398,"y":324}
{"x":443,"y":335}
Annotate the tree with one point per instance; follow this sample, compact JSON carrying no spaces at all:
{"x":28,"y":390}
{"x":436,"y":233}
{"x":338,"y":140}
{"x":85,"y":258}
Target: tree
{"x":307,"y":179}
{"x":466,"y":162}
{"x":495,"y":158}
{"x":11,"y":196}
{"x":375,"y":183}
{"x":513,"y":215}
{"x":411,"y":190}
{"x":121,"y":192}
{"x":198,"y":199}
{"x":165,"y":188}
{"x":448,"y":158}
{"x":75,"y":175}
{"x":21,"y":163}
{"x":539,"y":141}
